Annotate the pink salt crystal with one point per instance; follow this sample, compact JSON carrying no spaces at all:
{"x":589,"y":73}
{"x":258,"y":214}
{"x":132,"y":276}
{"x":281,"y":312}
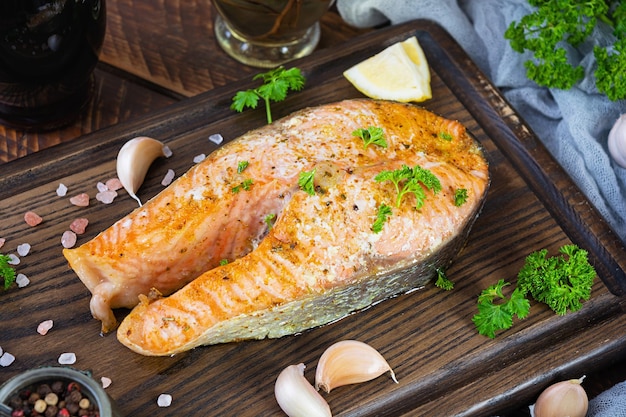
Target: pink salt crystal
{"x":61,"y":190}
{"x":21,"y":280}
{"x":23,"y":249}
{"x":106,"y":197}
{"x":101,"y":187}
{"x":68,"y":240}
{"x":114,"y":184}
{"x":2,"y":240}
{"x":168,"y":178}
{"x":68,"y":358}
{"x":80,"y":200}
{"x":13,"y":259}
{"x":106,"y":382}
{"x":78,"y":226}
{"x":44,"y":327}
{"x":6,"y":359}
{"x":32,"y":219}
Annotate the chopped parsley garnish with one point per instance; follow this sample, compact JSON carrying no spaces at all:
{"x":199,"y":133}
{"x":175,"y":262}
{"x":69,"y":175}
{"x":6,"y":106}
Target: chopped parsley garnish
{"x":411,"y":180}
{"x":269,"y":220}
{"x":241,"y":166}
{"x":442,"y":281}
{"x":305,"y":181}
{"x":245,"y":184}
{"x":460,"y":197}
{"x":384,"y":211}
{"x":224,"y":262}
{"x":371,"y":135}
{"x":7,"y":272}
{"x":445,"y":136}
{"x":276,"y":84}
{"x":561,"y":282}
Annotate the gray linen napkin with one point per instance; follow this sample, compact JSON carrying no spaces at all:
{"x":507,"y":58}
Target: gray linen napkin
{"x":572,"y":124}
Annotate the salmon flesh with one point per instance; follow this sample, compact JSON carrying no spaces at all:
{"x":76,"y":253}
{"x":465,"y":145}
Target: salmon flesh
{"x":240,"y":248}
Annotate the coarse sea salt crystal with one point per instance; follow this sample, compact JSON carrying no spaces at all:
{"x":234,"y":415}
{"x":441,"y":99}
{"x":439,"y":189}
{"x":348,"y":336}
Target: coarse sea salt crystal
{"x":13,"y":259}
{"x":168,"y":178}
{"x":68,"y":358}
{"x":2,"y":240}
{"x":199,"y":158}
{"x":6,"y":359}
{"x":106,"y":197}
{"x":167,"y":152}
{"x":44,"y":327}
{"x":22,"y":280}
{"x":23,"y":249}
{"x":164,"y":400}
{"x":101,"y":187}
{"x":216,"y":138}
{"x":61,"y":190}
{"x":114,"y":184}
{"x":80,"y":200}
{"x":68,"y":240}
{"x":106,"y":382}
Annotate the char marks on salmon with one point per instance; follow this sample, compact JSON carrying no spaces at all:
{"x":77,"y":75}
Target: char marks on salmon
{"x":241,"y":251}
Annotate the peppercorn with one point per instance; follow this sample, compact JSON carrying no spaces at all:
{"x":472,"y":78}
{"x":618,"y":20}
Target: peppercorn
{"x":44,"y":389}
{"x":51,"y":411}
{"x":58,"y":387}
{"x":63,"y":413}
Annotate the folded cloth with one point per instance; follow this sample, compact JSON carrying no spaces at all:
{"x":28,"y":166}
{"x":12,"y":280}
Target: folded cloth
{"x":572,"y":124}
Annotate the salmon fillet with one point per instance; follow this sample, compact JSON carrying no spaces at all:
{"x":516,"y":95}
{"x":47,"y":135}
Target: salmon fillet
{"x":316,"y":260}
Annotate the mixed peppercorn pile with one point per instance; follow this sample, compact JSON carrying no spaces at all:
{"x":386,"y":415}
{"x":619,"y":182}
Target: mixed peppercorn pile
{"x":56,"y":399}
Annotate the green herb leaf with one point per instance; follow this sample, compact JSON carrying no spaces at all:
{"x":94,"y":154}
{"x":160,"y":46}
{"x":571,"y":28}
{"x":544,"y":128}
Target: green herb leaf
{"x":384,"y":211}
{"x":371,"y":135}
{"x":245,"y":185}
{"x":269,"y":220}
{"x":496,"y":311}
{"x":414,"y":180}
{"x":561,"y":282}
{"x":442,"y":281}
{"x":460,"y":197}
{"x":276,"y":85}
{"x":241,"y":166}
{"x":445,"y":136}
{"x":7,"y":272}
{"x":305,"y":181}
{"x":223,"y":262}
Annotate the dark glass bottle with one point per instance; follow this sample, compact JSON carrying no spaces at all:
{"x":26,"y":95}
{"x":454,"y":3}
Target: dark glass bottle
{"x":48,"y":51}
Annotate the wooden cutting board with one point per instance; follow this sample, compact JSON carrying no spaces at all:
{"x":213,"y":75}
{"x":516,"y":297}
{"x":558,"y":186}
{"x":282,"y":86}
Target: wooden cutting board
{"x":443,"y":365}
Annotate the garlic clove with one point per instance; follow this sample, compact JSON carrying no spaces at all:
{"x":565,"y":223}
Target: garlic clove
{"x":134,"y":159}
{"x":566,"y":398}
{"x":617,"y":141}
{"x":296,"y":396}
{"x":349,"y":362}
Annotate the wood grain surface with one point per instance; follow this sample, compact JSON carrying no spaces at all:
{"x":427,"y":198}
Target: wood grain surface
{"x":155,"y":53}
{"x":444,"y":367}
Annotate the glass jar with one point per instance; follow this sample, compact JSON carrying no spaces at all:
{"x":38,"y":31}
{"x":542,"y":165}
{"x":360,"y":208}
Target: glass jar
{"x":48,"y":51}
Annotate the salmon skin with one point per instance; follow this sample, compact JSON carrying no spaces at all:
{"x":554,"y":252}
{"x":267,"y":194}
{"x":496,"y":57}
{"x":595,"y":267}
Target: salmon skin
{"x":256,"y":255}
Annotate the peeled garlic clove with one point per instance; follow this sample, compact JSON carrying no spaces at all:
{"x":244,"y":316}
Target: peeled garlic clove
{"x":296,"y":397}
{"x":349,"y":362}
{"x":617,"y":141}
{"x":134,"y":159}
{"x":566,"y":398}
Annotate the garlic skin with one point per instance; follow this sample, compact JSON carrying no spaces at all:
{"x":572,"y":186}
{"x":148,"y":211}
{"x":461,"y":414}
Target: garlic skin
{"x":566,"y":398}
{"x":617,"y":141}
{"x":134,"y":159}
{"x":296,"y":396}
{"x":349,"y":362}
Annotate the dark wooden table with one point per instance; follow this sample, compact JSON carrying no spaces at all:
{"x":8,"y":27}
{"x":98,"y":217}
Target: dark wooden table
{"x":159,"y":56}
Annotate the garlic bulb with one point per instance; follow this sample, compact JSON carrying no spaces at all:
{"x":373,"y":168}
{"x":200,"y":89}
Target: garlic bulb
{"x":566,"y":398}
{"x":296,"y":396}
{"x":349,"y":362}
{"x":617,"y":141}
{"x":134,"y":159}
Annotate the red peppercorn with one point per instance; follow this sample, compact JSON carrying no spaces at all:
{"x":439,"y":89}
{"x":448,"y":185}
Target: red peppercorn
{"x":17,"y":413}
{"x":63,"y":413}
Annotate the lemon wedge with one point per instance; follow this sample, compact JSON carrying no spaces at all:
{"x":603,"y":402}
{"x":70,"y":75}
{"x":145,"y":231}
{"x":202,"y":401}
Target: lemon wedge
{"x":400,"y":73}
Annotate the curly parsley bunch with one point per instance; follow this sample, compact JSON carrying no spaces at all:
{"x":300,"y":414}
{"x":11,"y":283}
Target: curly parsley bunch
{"x":556,"y":23}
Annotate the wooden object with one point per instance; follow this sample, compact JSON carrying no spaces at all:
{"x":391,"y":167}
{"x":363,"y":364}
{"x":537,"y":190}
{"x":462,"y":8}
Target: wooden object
{"x":443,"y":365}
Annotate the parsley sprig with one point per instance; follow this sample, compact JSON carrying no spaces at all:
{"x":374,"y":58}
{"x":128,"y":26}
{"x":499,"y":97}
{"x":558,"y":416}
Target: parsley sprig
{"x":372,"y":134}
{"x":409,"y":180}
{"x":276,"y":84}
{"x":560,"y":282}
{"x":305,"y":182}
{"x":555,"y":23}
{"x":7,"y":272}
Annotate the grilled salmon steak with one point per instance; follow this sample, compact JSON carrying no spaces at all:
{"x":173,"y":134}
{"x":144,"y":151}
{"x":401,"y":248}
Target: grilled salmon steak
{"x":288,"y":227}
